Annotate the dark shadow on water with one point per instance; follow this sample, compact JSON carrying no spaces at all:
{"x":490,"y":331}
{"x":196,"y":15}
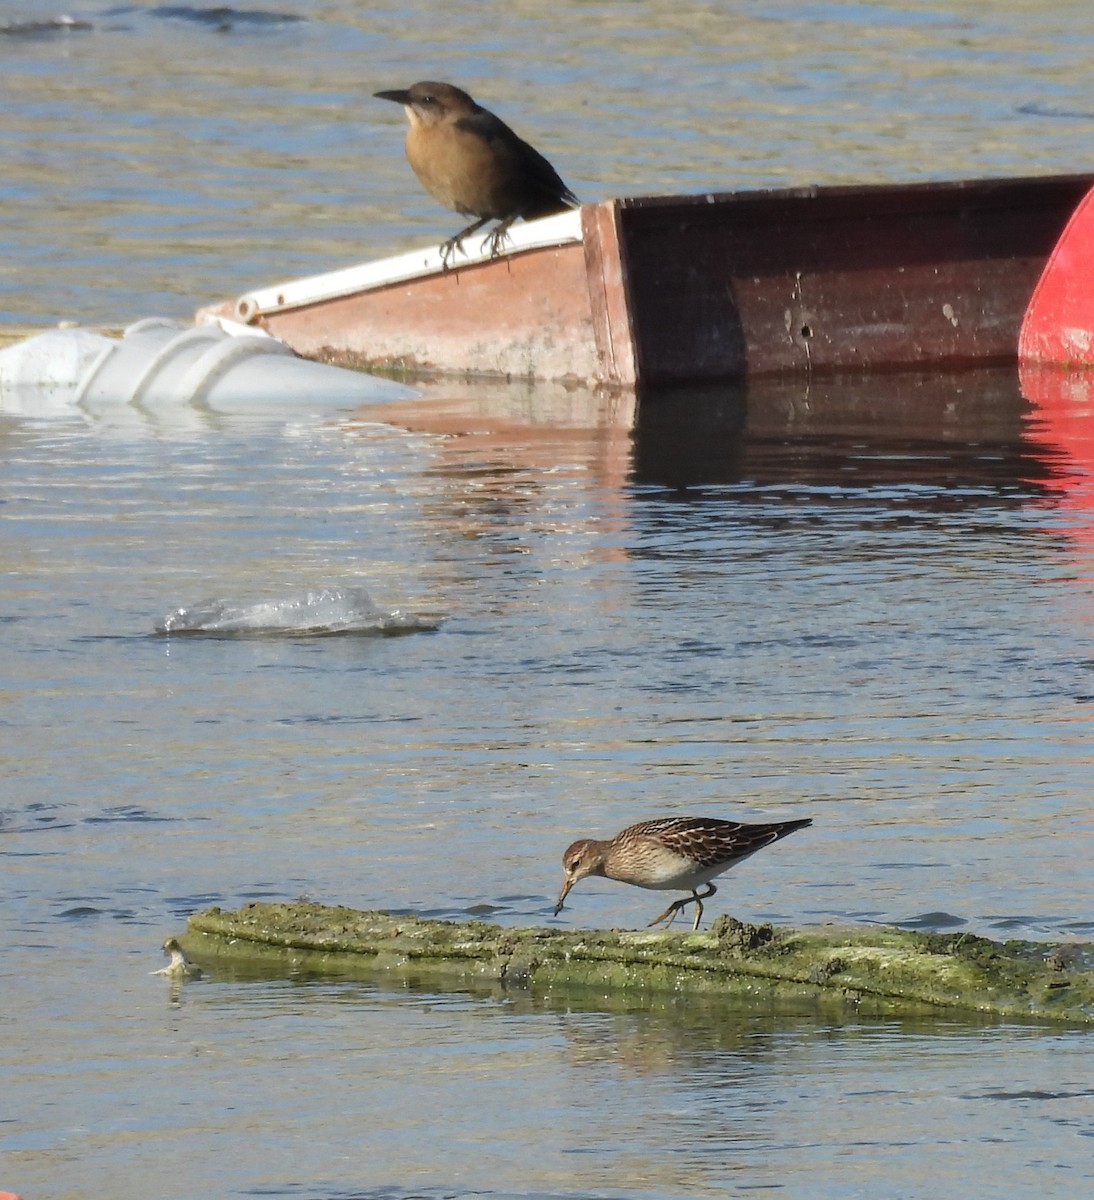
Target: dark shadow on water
{"x":220,"y":18}
{"x":961,"y":433}
{"x":313,"y":1191}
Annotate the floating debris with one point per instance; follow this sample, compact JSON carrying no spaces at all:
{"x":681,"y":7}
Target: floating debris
{"x":860,"y":968}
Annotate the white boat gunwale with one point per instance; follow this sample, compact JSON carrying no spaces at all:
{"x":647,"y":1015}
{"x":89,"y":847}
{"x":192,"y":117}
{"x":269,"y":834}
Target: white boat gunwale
{"x":559,"y":230}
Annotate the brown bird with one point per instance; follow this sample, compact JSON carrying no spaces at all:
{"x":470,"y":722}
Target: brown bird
{"x":671,"y":854}
{"x":470,"y":160}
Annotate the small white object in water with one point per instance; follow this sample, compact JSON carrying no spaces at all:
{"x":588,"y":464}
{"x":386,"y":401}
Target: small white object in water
{"x":180,"y":967}
{"x":323,"y":611}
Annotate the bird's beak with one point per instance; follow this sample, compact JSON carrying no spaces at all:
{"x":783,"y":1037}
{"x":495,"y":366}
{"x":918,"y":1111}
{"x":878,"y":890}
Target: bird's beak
{"x":564,"y":893}
{"x":398,"y":95}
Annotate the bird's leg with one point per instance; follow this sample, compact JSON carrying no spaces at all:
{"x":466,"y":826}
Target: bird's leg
{"x":498,"y":237}
{"x":711,"y":889}
{"x":677,"y":905}
{"x":449,"y":248}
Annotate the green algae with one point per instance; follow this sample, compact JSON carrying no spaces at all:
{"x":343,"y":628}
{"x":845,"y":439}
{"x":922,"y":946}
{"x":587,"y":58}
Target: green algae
{"x":874,"y":969}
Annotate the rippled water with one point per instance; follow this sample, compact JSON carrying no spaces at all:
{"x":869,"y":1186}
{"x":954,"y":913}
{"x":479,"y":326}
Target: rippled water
{"x":866,"y":602}
{"x":877,"y":614}
{"x":162,"y":156}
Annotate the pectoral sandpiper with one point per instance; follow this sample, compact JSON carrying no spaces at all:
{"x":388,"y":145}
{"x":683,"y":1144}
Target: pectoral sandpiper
{"x":670,"y":854}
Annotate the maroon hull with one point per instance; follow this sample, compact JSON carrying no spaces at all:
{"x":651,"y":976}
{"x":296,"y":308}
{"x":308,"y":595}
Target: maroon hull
{"x":838,"y":278}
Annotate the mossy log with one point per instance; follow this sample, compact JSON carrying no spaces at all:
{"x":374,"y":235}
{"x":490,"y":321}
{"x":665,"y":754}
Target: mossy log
{"x":883,"y":969}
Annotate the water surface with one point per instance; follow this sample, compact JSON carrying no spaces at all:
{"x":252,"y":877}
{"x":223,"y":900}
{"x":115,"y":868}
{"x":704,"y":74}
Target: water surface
{"x":869,"y":603}
{"x":162,"y":156}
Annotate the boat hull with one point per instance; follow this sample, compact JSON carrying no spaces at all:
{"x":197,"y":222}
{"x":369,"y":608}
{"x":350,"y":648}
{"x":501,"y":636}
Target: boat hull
{"x":668,"y":290}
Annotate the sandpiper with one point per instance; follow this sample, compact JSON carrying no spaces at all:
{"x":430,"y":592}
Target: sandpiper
{"x":180,"y":967}
{"x":670,"y":854}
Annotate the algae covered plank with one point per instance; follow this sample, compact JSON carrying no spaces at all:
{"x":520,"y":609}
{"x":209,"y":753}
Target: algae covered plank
{"x":892,"y":967}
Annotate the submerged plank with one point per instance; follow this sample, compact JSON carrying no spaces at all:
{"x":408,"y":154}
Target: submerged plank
{"x":882,"y":968}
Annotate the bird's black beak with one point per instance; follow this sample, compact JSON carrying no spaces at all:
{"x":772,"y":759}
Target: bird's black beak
{"x":398,"y":95}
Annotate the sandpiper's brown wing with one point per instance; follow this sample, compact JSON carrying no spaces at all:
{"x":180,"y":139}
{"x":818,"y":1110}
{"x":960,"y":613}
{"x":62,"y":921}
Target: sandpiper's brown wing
{"x":708,"y":841}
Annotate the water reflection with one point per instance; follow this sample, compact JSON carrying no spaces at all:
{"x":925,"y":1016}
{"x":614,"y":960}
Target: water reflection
{"x":943,"y":439}
{"x":1060,"y":424}
{"x":958,"y":438}
{"x":649,"y":1096}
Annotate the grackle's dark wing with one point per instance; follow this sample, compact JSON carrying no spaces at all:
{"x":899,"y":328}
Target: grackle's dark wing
{"x":541,"y":190}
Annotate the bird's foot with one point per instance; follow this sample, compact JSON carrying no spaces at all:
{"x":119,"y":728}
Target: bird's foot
{"x":678,"y":905}
{"x":669,"y":915}
{"x":449,"y":249}
{"x":496,"y":240}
